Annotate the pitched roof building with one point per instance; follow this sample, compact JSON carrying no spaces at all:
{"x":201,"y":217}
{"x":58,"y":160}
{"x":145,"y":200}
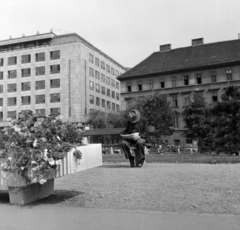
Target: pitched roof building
{"x":206,"y":68}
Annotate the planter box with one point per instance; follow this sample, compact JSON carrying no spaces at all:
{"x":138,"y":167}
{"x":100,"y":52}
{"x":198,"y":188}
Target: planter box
{"x":22,"y":193}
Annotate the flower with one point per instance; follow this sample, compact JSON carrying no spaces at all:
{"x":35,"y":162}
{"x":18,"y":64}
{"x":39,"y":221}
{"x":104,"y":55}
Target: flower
{"x":42,"y":181}
{"x":32,"y":144}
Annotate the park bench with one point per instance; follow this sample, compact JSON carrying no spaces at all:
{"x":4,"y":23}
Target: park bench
{"x":109,"y":132}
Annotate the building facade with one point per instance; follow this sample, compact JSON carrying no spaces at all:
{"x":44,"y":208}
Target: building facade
{"x":56,"y":74}
{"x":178,"y":73}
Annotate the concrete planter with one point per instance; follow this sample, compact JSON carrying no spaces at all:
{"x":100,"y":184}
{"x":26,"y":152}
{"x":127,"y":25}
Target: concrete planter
{"x":21,"y":192}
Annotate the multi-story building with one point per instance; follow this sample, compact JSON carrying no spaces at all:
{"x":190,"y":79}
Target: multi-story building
{"x":56,"y":74}
{"x":177,"y":73}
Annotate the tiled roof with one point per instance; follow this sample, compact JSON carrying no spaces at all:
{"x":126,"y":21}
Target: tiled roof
{"x":180,"y":59}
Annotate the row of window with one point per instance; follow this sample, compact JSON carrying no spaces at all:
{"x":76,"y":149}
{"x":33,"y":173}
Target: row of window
{"x":104,"y":103}
{"x":185,"y":81}
{"x":187,"y":98}
{"x":26,"y":58}
{"x":104,"y":91}
{"x":103,"y":66}
{"x":54,"y":69}
{"x":13,"y":114}
{"x":103,"y":78}
{"x":26,"y":100}
{"x":26,"y":86}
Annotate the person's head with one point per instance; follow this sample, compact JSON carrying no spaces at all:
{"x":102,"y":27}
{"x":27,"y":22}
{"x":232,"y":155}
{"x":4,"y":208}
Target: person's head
{"x":134,"y":115}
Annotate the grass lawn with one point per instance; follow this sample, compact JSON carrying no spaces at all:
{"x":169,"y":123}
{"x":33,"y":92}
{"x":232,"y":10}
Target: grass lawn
{"x":177,"y":158}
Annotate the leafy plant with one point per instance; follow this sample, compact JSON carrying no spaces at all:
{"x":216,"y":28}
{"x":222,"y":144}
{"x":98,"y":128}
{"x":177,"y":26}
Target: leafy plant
{"x":34,"y":143}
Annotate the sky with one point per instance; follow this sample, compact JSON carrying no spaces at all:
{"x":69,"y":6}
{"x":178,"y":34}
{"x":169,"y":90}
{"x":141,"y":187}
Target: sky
{"x":126,"y":30}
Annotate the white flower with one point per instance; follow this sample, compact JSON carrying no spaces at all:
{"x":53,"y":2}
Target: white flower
{"x":34,"y":180}
{"x":58,"y":138}
{"x":60,"y":117}
{"x":42,"y":181}
{"x":22,"y":168}
{"x":35,"y":143}
{"x":17,"y":129}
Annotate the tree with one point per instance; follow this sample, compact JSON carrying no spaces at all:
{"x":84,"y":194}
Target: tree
{"x":226,"y":121}
{"x":197,"y":121}
{"x":158,"y":112}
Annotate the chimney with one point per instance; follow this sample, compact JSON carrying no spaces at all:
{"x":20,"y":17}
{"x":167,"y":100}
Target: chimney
{"x":197,"y":41}
{"x":166,"y":47}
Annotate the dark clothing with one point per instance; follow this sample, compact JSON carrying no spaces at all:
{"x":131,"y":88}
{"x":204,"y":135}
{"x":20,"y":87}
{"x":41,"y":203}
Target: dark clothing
{"x":142,"y":127}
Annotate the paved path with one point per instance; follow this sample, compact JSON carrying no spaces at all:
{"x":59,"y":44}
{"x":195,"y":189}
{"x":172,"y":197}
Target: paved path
{"x":64,"y":218}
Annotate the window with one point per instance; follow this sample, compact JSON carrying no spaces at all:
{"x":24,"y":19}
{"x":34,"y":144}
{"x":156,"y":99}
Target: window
{"x":103,"y":90}
{"x":26,"y":86}
{"x":40,"y":57}
{"x":1,"y":61}
{"x":214,"y":97}
{"x":91,"y":85}
{"x":91,"y":72}
{"x":12,"y":87}
{"x":55,"y":54}
{"x":91,"y":58}
{"x":112,"y":71}
{"x":186,"y":100}
{"x":1,"y":101}
{"x":108,"y":80}
{"x":26,"y":58}
{"x":91,"y":99}
{"x":26,"y":100}
{"x":41,"y":112}
{"x":117,"y":107}
{"x":97,"y":88}
{"x":162,"y":84}
{"x":55,"y":97}
{"x":40,"y":99}
{"x":139,"y":87}
{"x":103,"y":103}
{"x":102,"y":65}
{"x":97,"y":101}
{"x":113,"y":106}
{"x":117,"y":73}
{"x":150,"y":84}
{"x":96,"y":61}
{"x":117,"y":96}
{"x":129,"y":88}
{"x":185,"y":80}
{"x":174,"y":81}
{"x":55,"y":83}
{"x":113,"y":94}
{"x":229,"y":74}
{"x":40,"y":85}
{"x":55,"y":111}
{"x":176,"y":124}
{"x":174,"y":101}
{"x":12,"y":101}
{"x":1,"y":75}
{"x":12,"y":74}
{"x":40,"y":70}
{"x":108,"y":92}
{"x":199,"y":78}
{"x":108,"y":68}
{"x":112,"y":82}
{"x":54,"y":69}
{"x":1,"y":116}
{"x":102,"y":77}
{"x":117,"y":84}
{"x":12,"y":114}
{"x":12,"y":60}
{"x":108,"y":105}
{"x":213,"y":77}
{"x":1,"y":88}
{"x":97,"y":75}
{"x":26,"y":72}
